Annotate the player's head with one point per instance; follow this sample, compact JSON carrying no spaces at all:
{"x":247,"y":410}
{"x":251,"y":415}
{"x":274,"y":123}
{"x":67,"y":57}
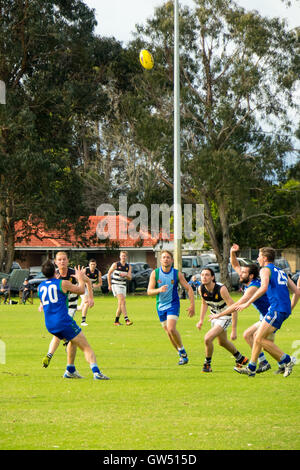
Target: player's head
{"x":123,"y":255}
{"x":266,"y":255}
{"x":92,"y":263}
{"x":48,"y":269}
{"x":248,"y":273}
{"x":61,"y":259}
{"x":166,"y":258}
{"x":207,"y":276}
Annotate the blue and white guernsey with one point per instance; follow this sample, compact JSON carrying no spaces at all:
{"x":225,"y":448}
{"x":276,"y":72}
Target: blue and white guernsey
{"x":278,"y":291}
{"x":262,"y":304}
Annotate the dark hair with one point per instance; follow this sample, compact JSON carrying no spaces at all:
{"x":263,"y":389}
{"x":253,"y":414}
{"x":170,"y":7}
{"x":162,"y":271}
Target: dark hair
{"x":212,"y":272}
{"x":92,"y":260}
{"x":48,"y":269}
{"x":254,"y":270}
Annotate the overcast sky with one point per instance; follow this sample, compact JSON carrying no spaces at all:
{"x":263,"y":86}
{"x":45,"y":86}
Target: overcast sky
{"x":118,"y":17}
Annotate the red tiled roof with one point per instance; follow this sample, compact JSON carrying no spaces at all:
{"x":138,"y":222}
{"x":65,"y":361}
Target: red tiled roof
{"x":96,"y":225}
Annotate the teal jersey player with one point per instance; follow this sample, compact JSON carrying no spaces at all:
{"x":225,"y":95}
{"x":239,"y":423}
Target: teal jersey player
{"x":164,"y":283}
{"x":170,"y":298}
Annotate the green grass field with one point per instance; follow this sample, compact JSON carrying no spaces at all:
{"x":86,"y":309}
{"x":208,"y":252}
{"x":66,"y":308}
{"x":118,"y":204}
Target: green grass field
{"x":150,"y":403}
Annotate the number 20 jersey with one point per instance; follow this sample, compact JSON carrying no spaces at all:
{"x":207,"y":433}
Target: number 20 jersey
{"x":55,"y":304}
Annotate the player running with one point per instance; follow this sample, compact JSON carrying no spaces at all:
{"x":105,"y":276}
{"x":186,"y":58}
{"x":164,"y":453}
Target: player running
{"x":276,"y":284}
{"x":118,"y":275}
{"x":163,"y":283}
{"x":216,"y":296}
{"x":53,"y":294}
{"x":249,"y":277}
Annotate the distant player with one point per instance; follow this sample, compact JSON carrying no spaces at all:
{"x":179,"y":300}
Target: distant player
{"x":216,"y":296}
{"x":164,"y":283}
{"x":249,"y":277}
{"x":276,"y":284}
{"x":93,"y":273}
{"x":117,"y":277}
{"x":53,"y":294}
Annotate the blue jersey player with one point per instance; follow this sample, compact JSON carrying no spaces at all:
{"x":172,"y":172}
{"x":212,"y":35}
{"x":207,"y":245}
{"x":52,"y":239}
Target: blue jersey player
{"x":53,"y":294}
{"x":164,"y":283}
{"x":275,"y":283}
{"x":249,"y":277}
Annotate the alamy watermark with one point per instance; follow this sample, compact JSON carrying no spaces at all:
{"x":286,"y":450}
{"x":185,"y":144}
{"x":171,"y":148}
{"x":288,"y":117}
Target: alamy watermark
{"x":133,"y":222}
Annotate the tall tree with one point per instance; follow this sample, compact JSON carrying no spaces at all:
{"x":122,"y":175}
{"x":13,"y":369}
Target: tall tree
{"x":238,"y":75}
{"x":48,"y":58}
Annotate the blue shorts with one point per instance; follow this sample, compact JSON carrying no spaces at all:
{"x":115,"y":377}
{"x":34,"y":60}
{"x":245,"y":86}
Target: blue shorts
{"x":67,"y":331}
{"x":276,"y":319}
{"x":163,"y":314}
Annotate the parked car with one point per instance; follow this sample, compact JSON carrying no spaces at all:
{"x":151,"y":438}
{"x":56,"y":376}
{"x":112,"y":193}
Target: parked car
{"x":140,"y":277}
{"x":235,"y":278}
{"x":34,"y":270}
{"x":36,"y":280}
{"x":192,"y":264}
{"x":15,"y":265}
{"x":284,"y":265}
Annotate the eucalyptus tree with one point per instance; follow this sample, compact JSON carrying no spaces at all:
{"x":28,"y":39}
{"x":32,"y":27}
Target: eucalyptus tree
{"x":238,"y":74}
{"x":48,"y":61}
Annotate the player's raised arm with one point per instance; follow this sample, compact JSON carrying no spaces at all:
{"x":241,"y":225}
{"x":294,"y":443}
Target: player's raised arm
{"x":233,"y":258}
{"x":79,"y":289}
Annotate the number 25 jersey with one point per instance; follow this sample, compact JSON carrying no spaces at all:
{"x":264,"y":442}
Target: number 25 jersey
{"x":278,"y":291}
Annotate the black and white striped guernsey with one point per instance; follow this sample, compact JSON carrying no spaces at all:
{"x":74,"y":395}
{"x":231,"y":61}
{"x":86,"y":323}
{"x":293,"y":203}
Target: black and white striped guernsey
{"x":72,"y":298}
{"x":116,"y":279}
{"x":214,"y":299}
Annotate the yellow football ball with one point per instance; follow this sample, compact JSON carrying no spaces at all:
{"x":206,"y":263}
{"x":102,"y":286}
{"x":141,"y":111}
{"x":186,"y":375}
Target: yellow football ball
{"x":146,"y":59}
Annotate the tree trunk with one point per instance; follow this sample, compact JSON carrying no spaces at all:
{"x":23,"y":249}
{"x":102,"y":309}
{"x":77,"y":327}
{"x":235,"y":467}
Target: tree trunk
{"x":223,"y":214}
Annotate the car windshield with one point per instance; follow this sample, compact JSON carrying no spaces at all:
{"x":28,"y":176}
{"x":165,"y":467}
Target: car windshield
{"x":186,"y":263}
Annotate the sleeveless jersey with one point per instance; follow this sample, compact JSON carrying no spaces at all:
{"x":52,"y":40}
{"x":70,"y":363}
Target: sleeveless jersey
{"x":116,"y":279}
{"x":55,"y":304}
{"x":262,"y":304}
{"x":214,"y":299}
{"x":94,"y":277}
{"x":72,"y":298}
{"x":166,"y":300}
{"x":278,"y":292}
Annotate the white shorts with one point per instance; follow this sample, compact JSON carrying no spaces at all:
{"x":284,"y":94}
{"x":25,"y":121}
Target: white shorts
{"x":223,"y":322}
{"x":86,"y":292}
{"x":117,"y":290}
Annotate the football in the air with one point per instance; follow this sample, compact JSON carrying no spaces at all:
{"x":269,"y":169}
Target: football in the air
{"x":146,"y":59}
